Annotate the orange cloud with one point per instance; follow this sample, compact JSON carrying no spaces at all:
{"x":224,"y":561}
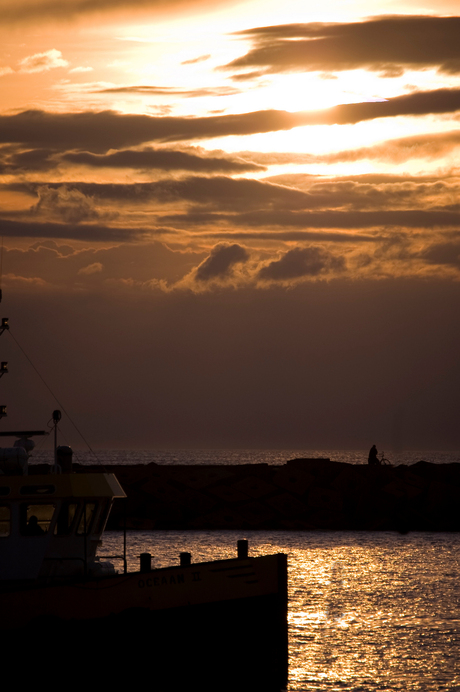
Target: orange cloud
{"x":42,"y":62}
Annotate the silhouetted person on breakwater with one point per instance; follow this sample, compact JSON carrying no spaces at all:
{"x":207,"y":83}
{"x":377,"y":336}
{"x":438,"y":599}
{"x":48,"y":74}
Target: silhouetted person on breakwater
{"x":373,"y":459}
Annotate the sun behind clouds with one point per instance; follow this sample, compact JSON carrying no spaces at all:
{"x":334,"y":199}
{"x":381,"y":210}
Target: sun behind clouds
{"x":253,"y":206}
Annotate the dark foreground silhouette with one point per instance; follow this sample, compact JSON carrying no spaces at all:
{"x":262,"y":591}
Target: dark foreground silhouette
{"x":165,"y":651}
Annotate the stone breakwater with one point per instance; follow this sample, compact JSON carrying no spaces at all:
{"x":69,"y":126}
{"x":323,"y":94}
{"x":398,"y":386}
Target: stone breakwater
{"x":303,"y":494}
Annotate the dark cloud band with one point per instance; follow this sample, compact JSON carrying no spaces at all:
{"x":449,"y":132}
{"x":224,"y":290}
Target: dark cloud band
{"x":101,"y":131}
{"x":408,"y":218}
{"x":33,"y":11}
{"x":161,"y":159}
{"x":387,"y":44}
{"x":87,"y":232}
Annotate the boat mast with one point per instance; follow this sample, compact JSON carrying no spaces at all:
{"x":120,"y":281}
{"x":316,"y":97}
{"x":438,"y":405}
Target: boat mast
{"x":4,"y":364}
{"x":56,"y":419}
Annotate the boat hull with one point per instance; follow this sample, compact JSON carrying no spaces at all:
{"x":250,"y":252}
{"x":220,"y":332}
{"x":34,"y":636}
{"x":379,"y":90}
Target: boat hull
{"x":220,"y":625}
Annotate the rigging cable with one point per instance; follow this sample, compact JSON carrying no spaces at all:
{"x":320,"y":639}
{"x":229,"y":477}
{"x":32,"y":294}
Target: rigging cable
{"x":52,"y":393}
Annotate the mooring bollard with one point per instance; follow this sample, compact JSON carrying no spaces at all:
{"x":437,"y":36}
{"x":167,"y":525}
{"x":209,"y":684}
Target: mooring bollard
{"x":185,"y":559}
{"x":242,"y":547}
{"x":146,"y":562}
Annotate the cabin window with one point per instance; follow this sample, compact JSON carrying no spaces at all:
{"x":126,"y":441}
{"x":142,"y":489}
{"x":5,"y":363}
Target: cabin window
{"x":66,"y":518}
{"x":86,"y":519}
{"x":35,"y":519}
{"x":101,"y":517}
{"x":5,"y":521}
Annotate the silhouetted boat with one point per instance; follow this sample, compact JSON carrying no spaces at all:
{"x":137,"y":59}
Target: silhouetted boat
{"x":225,"y":617}
{"x":208,"y":614}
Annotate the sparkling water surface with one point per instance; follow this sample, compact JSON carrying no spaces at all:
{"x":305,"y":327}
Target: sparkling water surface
{"x":367,"y":611}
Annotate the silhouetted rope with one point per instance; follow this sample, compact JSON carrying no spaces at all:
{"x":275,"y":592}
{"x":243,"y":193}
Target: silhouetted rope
{"x":52,"y":393}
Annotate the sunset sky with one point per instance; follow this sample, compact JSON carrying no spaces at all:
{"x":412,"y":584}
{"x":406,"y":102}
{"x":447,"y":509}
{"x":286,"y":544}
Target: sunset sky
{"x":232,"y":224}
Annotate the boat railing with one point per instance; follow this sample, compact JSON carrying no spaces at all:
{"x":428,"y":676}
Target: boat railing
{"x":118,"y":557}
{"x":85,"y":562}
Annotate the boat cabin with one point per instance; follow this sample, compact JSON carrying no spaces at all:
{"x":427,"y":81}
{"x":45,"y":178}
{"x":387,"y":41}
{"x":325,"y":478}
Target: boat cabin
{"x":51,"y":524}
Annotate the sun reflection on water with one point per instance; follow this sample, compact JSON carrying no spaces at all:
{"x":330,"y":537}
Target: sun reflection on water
{"x":366,"y":611}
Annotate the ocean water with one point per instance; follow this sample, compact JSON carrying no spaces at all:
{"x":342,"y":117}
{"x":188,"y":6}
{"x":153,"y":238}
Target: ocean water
{"x":367,"y":611}
{"x":244,"y":456}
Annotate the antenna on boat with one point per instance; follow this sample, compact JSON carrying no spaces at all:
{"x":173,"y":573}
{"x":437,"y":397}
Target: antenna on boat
{"x":56,"y":419}
{"x":4,"y":326}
